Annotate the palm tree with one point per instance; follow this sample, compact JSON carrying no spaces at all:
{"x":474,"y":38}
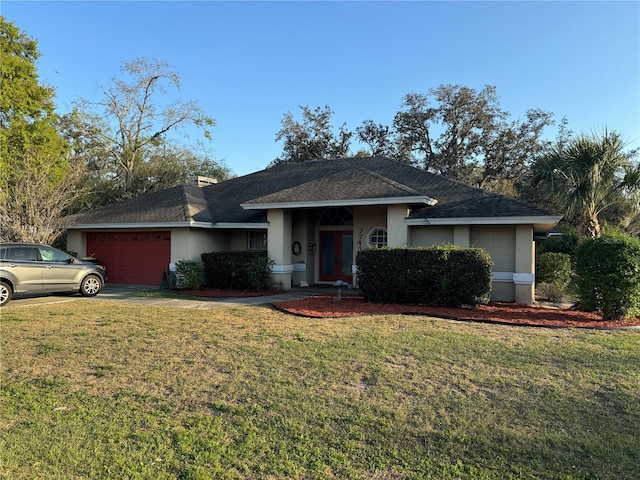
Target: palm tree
{"x":587,"y":175}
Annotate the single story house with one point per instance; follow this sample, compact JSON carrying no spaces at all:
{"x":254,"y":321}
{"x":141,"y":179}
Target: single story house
{"x":313,"y":218}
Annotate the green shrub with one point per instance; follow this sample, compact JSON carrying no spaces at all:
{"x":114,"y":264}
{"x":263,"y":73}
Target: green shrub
{"x":552,"y":292}
{"x":554,"y":268}
{"x":447,"y":275}
{"x":190,"y":274}
{"x":608,"y":270}
{"x":567,"y":243}
{"x":241,"y":270}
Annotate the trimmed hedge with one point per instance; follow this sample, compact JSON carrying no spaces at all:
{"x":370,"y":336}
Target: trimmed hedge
{"x":554,"y":268}
{"x":608,"y":270}
{"x":241,"y":270}
{"x":443,"y":275}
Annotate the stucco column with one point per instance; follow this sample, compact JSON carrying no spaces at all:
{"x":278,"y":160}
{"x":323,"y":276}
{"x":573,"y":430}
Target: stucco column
{"x":77,"y":242}
{"x":397,"y":228}
{"x":524,"y":276}
{"x":461,"y":236}
{"x":279,"y":247}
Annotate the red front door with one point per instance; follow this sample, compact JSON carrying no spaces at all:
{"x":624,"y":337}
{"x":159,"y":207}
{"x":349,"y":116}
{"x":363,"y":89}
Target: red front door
{"x":336,"y":256}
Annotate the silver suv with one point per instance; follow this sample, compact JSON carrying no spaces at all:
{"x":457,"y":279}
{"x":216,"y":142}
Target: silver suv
{"x":33,"y":268}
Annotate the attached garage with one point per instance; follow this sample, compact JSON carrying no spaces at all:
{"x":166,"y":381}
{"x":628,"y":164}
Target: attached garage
{"x":132,"y":257}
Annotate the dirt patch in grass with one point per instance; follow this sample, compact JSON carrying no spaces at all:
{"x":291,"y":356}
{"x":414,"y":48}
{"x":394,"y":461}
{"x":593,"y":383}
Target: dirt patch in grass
{"x":325,"y":306}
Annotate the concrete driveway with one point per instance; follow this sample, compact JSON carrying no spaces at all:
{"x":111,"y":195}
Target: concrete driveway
{"x":119,"y":293}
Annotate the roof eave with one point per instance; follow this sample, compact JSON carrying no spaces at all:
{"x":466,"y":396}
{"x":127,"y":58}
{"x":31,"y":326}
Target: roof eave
{"x":355,"y":202}
{"x":146,"y":225}
{"x":131,"y":225}
{"x":540,"y":223}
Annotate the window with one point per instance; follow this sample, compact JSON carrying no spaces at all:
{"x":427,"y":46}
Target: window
{"x":22,"y":254}
{"x":336,"y":216}
{"x":50,"y":255}
{"x":257,"y":240}
{"x":378,"y":237}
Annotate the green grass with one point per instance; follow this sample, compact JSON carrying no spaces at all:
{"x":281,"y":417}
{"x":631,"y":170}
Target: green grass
{"x":96,"y":389}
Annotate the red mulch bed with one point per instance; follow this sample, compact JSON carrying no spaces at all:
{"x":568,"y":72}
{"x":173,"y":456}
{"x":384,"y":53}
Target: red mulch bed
{"x":324,"y":306}
{"x":223,"y":293}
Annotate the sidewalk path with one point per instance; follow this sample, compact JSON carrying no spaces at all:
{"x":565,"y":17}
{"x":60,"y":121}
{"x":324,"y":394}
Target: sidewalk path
{"x":122,"y":293}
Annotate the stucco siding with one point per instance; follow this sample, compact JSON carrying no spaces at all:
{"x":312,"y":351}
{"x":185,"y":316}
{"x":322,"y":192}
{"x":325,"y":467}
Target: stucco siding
{"x":501,"y":244}
{"x":429,"y":236}
{"x":190,"y":243}
{"x":365,"y":219}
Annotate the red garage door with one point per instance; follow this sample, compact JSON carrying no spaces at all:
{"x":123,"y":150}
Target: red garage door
{"x":131,"y":257}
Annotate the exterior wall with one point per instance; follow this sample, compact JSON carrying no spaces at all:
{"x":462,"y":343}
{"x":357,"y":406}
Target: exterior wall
{"x":303,"y":231}
{"x":397,"y":228}
{"x":186,"y":243}
{"x":365,"y":219}
{"x":190,"y":243}
{"x":524,"y":276}
{"x":238,"y":240}
{"x":428,"y":236}
{"x":77,"y":242}
{"x":501,"y":244}
{"x":279,"y":246}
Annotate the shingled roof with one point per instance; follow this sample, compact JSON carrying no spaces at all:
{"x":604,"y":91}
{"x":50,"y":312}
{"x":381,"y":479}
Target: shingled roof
{"x":350,"y":181}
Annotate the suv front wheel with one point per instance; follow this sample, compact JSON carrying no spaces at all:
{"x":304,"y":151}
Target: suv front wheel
{"x":5,"y":293}
{"x":90,"y":286}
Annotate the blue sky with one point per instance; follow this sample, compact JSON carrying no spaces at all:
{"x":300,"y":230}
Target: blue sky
{"x":249,"y":63}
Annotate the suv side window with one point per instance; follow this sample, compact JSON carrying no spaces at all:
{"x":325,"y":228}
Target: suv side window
{"x":22,"y":254}
{"x":49,"y":255}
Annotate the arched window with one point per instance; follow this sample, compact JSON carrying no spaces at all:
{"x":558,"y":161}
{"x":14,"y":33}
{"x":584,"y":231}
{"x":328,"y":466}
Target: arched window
{"x":336,"y":216}
{"x":378,"y":237}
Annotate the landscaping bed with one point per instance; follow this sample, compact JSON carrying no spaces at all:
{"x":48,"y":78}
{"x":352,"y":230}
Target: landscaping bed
{"x":325,"y":306}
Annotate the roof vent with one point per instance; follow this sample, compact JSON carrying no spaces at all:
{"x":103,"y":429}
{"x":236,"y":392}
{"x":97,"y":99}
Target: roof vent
{"x":202,"y":181}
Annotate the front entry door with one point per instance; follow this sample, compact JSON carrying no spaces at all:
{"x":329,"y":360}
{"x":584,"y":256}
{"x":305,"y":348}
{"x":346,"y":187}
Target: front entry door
{"x":336,"y":256}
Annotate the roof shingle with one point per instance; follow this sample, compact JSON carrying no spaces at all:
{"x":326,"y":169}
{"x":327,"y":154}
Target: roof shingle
{"x":324,"y":180}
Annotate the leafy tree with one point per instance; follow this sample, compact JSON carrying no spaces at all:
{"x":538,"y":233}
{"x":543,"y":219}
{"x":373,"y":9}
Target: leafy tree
{"x":412,"y":128}
{"x":476,"y":142}
{"x":124,"y":134}
{"x":588,"y":176}
{"x":313,"y":138}
{"x":37,"y":177}
{"x":377,"y":137}
{"x":509,"y":149}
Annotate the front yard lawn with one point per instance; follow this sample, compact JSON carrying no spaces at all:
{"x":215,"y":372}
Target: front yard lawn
{"x":97,"y":389}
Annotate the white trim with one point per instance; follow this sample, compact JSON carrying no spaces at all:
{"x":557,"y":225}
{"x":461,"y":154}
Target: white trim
{"x":342,"y":203}
{"x":299,"y":267}
{"x":502,"y":277}
{"x":524,"y":278}
{"x":156,"y":225}
{"x":550,"y":220}
{"x":515,"y":278}
{"x":282,"y":269}
{"x":252,"y":226}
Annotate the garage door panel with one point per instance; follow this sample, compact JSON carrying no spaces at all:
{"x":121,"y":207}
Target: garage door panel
{"x":132,"y":257}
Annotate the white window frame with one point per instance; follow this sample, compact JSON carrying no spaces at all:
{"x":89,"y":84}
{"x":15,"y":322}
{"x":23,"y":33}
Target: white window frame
{"x":375,"y":232}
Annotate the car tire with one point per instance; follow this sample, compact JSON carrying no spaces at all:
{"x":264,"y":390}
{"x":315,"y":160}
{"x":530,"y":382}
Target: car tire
{"x":6,"y":292}
{"x":90,"y":286}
